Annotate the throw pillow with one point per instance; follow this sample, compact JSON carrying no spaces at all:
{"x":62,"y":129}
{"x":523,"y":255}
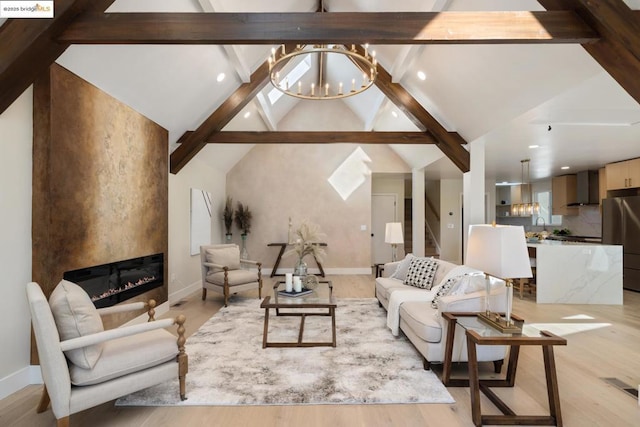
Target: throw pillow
{"x":403,"y":267}
{"x":227,"y":255}
{"x":473,"y":283}
{"x":447,"y":288}
{"x":76,"y":316}
{"x":421,"y":273}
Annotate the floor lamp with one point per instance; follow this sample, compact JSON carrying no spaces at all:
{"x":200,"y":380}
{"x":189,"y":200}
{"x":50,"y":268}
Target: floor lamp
{"x":500,"y":251}
{"x":393,"y":235}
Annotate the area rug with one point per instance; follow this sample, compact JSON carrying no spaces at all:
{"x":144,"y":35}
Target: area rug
{"x":228,"y":366}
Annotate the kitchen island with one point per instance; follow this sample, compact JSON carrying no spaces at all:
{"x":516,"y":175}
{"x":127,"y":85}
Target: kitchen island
{"x":577,"y":273}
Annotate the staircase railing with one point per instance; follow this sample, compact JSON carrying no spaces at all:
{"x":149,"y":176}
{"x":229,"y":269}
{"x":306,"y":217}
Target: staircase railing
{"x":427,"y":227}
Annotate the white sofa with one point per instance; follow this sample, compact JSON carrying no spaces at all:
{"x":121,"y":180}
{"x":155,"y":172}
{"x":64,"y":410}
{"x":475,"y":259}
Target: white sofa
{"x":409,"y":309}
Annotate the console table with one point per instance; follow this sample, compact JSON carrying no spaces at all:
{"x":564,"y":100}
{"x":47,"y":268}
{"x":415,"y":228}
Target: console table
{"x":478,"y":333}
{"x":283,"y":246}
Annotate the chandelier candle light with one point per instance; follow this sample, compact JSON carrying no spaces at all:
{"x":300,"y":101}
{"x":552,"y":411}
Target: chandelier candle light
{"x":500,"y":251}
{"x":530,"y":207}
{"x":365,"y":68}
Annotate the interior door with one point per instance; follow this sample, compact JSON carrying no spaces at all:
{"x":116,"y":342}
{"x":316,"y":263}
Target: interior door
{"x":383,"y":210}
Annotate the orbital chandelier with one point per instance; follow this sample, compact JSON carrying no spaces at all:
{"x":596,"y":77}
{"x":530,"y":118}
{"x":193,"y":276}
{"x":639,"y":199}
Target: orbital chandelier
{"x":356,"y":79}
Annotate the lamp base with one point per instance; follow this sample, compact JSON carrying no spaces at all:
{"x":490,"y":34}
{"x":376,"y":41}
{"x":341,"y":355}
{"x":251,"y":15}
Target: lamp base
{"x":498,"y":322}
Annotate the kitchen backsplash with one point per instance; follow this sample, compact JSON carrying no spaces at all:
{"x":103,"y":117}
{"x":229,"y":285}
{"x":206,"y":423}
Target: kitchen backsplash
{"x":587,"y":223}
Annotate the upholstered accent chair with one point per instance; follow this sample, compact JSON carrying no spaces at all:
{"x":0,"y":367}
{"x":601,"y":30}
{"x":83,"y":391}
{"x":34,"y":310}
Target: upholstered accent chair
{"x":83,"y":365}
{"x":222,"y":272}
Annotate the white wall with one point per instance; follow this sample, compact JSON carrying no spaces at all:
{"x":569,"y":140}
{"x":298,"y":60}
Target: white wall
{"x":184,"y":269}
{"x":16,"y":130}
{"x":450,"y":241}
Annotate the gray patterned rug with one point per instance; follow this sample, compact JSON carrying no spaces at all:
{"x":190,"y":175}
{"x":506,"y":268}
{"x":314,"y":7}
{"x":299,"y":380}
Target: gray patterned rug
{"x":228,"y":366}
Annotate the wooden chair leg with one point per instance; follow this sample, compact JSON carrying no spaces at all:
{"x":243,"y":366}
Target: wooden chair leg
{"x":183,"y":359}
{"x":426,"y":365}
{"x":44,"y":401}
{"x":63,"y":422}
{"x":204,"y":293}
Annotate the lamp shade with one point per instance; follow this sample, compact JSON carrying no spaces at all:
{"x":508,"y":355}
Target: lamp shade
{"x":499,"y":250}
{"x":393,"y":233}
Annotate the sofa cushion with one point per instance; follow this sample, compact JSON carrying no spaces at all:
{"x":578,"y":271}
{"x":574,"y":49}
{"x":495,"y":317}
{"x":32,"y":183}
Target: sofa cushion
{"x":401,"y":271}
{"x":125,"y":355}
{"x":228,"y":256}
{"x":421,"y":272}
{"x":422,"y":320}
{"x":76,"y":316}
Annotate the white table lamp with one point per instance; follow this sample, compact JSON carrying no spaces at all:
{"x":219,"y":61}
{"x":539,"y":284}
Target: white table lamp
{"x":393,"y":235}
{"x":500,"y":251}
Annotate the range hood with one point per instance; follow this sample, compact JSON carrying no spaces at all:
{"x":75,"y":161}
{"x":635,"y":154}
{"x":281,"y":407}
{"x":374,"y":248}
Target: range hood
{"x":588,"y":191}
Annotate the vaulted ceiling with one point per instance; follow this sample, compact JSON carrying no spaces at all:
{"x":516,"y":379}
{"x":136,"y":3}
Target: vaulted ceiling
{"x":506,"y":93}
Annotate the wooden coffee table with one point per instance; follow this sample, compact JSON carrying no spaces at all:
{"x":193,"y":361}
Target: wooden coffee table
{"x":312,"y":304}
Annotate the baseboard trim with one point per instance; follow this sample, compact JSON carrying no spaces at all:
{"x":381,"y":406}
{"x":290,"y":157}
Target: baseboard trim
{"x":185,"y":292}
{"x":19,"y":380}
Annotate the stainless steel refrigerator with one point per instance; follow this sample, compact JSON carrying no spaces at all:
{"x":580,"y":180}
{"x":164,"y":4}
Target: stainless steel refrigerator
{"x":621,"y":226}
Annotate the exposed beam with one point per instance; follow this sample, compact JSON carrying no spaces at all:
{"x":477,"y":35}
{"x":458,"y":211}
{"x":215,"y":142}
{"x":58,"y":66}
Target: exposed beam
{"x":618,"y":50}
{"x":320,"y":137}
{"x":192,"y":142}
{"x":347,"y":27}
{"x":450,"y":143}
{"x":28,"y":47}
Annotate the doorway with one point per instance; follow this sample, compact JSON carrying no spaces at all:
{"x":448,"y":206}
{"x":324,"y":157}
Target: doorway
{"x":383,"y":210}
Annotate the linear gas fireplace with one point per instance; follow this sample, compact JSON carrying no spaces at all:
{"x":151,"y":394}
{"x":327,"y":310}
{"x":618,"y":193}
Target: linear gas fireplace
{"x":109,"y":284}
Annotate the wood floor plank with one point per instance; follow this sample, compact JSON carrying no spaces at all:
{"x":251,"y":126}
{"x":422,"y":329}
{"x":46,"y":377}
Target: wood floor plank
{"x":608,"y":351}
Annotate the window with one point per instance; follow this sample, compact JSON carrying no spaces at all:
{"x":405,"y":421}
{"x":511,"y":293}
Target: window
{"x":544,"y":200}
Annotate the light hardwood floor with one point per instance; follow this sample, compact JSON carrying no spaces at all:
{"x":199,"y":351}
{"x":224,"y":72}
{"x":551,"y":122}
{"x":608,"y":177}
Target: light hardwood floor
{"x":603,"y":342}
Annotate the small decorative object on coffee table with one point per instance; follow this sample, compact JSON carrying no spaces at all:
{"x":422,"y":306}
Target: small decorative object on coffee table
{"x":306,"y":242}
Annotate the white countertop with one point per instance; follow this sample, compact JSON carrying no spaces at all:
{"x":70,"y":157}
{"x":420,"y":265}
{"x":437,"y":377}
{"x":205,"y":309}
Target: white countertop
{"x":542,"y":243}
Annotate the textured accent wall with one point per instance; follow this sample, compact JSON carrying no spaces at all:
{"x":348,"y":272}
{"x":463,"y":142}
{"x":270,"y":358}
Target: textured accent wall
{"x":278,"y":181}
{"x":100,"y":181}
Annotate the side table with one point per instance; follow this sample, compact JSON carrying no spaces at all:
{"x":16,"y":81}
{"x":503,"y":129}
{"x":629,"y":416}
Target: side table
{"x":478,"y":333}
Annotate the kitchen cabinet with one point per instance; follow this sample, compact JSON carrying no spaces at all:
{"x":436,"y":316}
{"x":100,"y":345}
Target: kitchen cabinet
{"x":503,"y":201}
{"x":624,"y":174}
{"x":602,"y":184}
{"x":564,"y":192}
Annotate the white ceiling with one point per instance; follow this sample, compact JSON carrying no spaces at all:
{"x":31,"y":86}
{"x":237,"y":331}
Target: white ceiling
{"x":504,"y":95}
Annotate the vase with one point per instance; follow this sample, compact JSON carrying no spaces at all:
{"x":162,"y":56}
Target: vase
{"x":228,"y":237}
{"x":300,"y":269}
{"x":244,"y":254}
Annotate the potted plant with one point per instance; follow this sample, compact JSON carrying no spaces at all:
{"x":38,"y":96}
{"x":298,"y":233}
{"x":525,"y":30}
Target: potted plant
{"x":307,"y":237}
{"x":227,"y":217}
{"x":243,"y":221}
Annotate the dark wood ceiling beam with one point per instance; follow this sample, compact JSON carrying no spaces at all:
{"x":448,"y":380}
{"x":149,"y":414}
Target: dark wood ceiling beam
{"x":320,"y":137}
{"x":29,"y":46}
{"x":618,"y":50}
{"x":450,"y":143}
{"x":346,"y":27}
{"x":192,"y":142}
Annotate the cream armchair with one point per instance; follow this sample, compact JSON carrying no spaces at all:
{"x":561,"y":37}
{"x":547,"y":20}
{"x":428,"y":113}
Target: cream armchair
{"x":221,"y":271}
{"x":83,"y":365}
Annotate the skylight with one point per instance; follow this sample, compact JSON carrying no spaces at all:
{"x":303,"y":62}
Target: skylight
{"x":292,"y":78}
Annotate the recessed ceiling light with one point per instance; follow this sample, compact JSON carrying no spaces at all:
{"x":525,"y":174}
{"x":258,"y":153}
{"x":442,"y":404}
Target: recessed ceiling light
{"x":220,"y":77}
{"x":394,"y":114}
{"x":422,"y":75}
{"x":247,"y":114}
{"x":534,"y":146}
{"x":564,"y":168}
